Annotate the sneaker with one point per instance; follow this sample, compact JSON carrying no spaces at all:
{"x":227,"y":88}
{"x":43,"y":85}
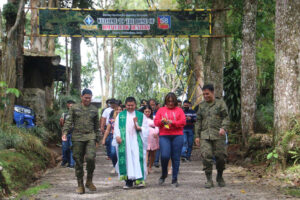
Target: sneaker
{"x":63,"y":164}
{"x":140,"y":184}
{"x":175,"y":183}
{"x":113,"y":171}
{"x":161,"y":180}
{"x":156,"y":165}
{"x":183,"y":159}
{"x":127,"y":187}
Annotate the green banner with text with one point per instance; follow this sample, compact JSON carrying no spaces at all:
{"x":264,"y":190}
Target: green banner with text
{"x":124,"y":23}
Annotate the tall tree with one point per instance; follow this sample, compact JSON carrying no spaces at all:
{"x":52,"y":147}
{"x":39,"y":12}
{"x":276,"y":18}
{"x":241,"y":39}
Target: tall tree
{"x":76,"y":64}
{"x":287,"y":62}
{"x":75,"y":46}
{"x":215,"y":56}
{"x":14,"y":15}
{"x":248,"y":69}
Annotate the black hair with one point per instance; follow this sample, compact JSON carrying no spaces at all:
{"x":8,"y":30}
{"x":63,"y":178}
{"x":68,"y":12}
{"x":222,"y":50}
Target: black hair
{"x":130,"y":99}
{"x":119,"y":102}
{"x":209,"y":87}
{"x":187,"y":101}
{"x":147,"y":107}
{"x":86,"y":91}
{"x":70,"y":102}
{"x":173,"y":96}
{"x":151,"y":100}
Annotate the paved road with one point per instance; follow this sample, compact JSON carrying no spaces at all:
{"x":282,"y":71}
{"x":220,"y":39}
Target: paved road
{"x":191,"y":180}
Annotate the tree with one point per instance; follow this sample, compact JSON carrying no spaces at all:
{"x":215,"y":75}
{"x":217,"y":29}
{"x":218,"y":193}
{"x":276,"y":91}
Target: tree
{"x":14,"y":15}
{"x":287,"y":62}
{"x":215,"y":56}
{"x":248,"y":69}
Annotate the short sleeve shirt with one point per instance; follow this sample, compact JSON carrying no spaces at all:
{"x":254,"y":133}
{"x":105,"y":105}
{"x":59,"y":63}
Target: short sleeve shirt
{"x":106,"y":114}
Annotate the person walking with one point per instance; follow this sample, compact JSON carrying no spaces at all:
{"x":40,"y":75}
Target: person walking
{"x":152,"y":138}
{"x":130,"y":139}
{"x":67,"y":154}
{"x":84,"y":120}
{"x":188,"y":131}
{"x":211,"y":126}
{"x":108,"y":136}
{"x":170,"y":120}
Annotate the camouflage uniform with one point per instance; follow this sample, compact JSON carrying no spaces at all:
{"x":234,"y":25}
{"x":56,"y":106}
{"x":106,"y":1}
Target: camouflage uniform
{"x":210,"y":118}
{"x":85,"y":123}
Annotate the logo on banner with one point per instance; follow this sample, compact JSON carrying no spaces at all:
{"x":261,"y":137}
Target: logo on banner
{"x":164,"y":22}
{"x":88,"y":21}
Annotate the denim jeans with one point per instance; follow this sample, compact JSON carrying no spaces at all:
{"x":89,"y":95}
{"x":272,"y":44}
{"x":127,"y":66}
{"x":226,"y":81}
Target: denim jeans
{"x":170,"y":147}
{"x":188,"y":143}
{"x":110,"y":149}
{"x":157,"y":156}
{"x":67,"y":155}
{"x":108,"y":142}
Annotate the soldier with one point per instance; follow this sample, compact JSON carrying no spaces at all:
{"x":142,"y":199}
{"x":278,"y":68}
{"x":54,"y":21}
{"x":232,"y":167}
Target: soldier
{"x":84,"y":120}
{"x":211,"y":125}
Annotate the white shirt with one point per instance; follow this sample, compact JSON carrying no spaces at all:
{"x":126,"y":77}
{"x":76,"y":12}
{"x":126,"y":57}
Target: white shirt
{"x":106,"y":114}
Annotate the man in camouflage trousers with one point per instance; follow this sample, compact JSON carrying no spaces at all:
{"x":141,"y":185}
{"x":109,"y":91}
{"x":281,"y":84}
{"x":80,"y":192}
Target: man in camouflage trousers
{"x":211,"y":126}
{"x":84,"y":120}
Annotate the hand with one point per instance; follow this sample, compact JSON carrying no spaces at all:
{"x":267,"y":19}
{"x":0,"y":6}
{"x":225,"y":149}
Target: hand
{"x":155,"y":135}
{"x":188,"y":118}
{"x":97,"y":145}
{"x":119,"y":140}
{"x":197,"y":141}
{"x":222,"y":132}
{"x":102,"y":130}
{"x":64,"y":138}
{"x":135,"y":120}
{"x":103,"y":142}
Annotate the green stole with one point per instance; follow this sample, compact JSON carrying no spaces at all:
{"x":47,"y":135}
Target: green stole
{"x":122,"y":146}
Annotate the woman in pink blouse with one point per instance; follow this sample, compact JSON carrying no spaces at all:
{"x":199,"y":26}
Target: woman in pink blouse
{"x":153,"y":144}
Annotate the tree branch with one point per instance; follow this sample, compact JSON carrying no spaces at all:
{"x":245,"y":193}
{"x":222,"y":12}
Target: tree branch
{"x":13,"y":29}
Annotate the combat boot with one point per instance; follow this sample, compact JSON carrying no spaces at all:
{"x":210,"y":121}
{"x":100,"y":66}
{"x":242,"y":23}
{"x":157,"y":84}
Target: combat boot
{"x":90,"y":185}
{"x":80,"y":188}
{"x":209,"y":183}
{"x":219,"y":179}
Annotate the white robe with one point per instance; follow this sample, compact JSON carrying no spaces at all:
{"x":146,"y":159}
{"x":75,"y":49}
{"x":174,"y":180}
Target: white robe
{"x":132,"y":148}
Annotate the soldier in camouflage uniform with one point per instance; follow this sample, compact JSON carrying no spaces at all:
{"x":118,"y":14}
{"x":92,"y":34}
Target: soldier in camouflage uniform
{"x":211,"y":126}
{"x":84,"y":120}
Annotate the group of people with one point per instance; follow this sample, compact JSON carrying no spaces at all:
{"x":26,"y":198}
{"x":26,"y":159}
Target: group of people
{"x":136,"y":138}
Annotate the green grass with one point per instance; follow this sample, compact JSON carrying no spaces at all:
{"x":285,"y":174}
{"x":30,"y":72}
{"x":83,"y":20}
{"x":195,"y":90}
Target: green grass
{"x":293,"y":191}
{"x":294,"y":169}
{"x":33,"y":191}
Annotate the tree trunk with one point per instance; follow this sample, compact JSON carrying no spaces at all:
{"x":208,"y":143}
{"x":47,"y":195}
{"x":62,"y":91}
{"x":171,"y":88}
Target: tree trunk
{"x":248,"y":70}
{"x":196,"y":65}
{"x":100,"y":73}
{"x":214,"y":62}
{"x":76,"y":64}
{"x":112,"y":63}
{"x":67,"y":87}
{"x":106,"y":68}
{"x":10,"y":58}
{"x":287,"y":64}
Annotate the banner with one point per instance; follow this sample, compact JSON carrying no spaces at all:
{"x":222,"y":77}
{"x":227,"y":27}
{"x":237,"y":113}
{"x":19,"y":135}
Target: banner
{"x":124,"y":23}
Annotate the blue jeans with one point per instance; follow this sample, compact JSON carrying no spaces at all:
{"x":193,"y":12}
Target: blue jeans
{"x":170,"y":147}
{"x":188,"y":143}
{"x":67,"y":154}
{"x":108,"y":141}
{"x":157,"y":155}
{"x":110,"y":149}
